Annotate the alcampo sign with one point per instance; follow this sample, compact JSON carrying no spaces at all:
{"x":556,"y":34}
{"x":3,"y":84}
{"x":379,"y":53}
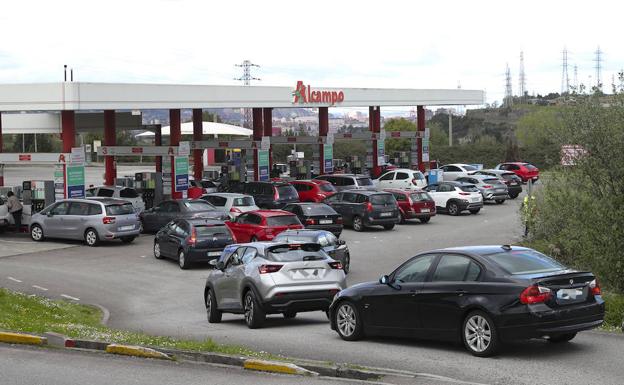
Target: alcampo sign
{"x":304,"y":95}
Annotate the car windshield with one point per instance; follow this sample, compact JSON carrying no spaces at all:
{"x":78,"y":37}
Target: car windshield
{"x":198,"y":206}
{"x":419,"y":175}
{"x":318,"y":209}
{"x":364,"y":181}
{"x":128,"y":193}
{"x":296,"y":252}
{"x":492,"y":181}
{"x":120,"y":209}
{"x":287,"y":191}
{"x":530,"y":166}
{"x":509,"y":176}
{"x":211,"y":231}
{"x":469,"y":188}
{"x":207,"y":184}
{"x":470,"y":168}
{"x":283,"y":220}
{"x":294,"y":238}
{"x":519,"y":262}
{"x":420,"y":197}
{"x":327,"y":187}
{"x":382,"y":199}
{"x":243,"y":202}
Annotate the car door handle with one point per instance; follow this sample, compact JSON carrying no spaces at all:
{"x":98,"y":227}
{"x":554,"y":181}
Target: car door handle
{"x":460,"y":292}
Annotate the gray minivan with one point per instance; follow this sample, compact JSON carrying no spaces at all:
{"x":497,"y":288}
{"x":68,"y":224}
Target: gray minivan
{"x":344,"y":182}
{"x":91,"y":220}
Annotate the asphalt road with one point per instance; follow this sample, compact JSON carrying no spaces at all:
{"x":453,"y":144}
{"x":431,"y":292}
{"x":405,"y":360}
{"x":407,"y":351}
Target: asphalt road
{"x":157,"y":297}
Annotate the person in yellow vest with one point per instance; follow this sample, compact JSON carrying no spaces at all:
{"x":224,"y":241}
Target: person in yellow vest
{"x":528,"y":213}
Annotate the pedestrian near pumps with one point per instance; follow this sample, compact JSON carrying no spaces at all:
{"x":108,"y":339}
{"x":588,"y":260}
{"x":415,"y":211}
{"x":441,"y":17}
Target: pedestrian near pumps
{"x":15,"y":208}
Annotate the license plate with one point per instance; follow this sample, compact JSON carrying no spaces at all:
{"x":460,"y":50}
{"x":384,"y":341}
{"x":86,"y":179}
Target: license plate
{"x":388,"y":214}
{"x":326,"y":222}
{"x":214,"y":253}
{"x":500,"y":189}
{"x":474,"y":199}
{"x":126,"y":228}
{"x":424,"y":210}
{"x":570,"y":294}
{"x":306,"y":274}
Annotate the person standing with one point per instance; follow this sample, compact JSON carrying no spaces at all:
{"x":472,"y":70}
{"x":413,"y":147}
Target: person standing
{"x":15,"y":208}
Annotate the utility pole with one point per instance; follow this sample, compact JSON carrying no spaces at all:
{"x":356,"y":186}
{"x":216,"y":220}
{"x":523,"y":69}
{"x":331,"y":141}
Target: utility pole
{"x":565,"y":78}
{"x":576,"y":85}
{"x":450,"y":128}
{"x":598,"y":68}
{"x":508,"y":101}
{"x":522,"y":78}
{"x":246,"y":79}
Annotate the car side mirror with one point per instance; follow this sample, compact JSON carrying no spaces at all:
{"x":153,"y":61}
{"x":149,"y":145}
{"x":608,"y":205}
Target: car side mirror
{"x":385,"y":280}
{"x":220,"y":265}
{"x":342,"y":242}
{"x":213,"y":262}
{"x":49,"y":214}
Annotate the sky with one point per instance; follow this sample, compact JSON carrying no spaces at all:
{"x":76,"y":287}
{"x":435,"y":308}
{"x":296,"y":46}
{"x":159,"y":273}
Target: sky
{"x":387,"y":44}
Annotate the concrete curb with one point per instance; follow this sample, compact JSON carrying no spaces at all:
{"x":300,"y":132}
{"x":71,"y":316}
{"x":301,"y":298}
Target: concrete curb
{"x":276,"y":367}
{"x":136,"y":351}
{"x":20,"y":338}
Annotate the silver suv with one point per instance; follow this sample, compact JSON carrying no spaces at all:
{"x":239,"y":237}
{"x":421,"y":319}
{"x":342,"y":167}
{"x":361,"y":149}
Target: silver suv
{"x":260,"y":278}
{"x":91,"y":220}
{"x":349,"y":181}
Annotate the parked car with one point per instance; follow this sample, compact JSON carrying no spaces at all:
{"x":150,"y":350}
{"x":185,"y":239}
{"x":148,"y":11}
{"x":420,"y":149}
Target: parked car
{"x":455,"y":197}
{"x":344,"y":182}
{"x":314,"y":190}
{"x":207,"y":186}
{"x":230,"y":203}
{"x":126,"y":193}
{"x":402,"y":178}
{"x":513,"y":181}
{"x":267,"y":195}
{"x":192,"y":240}
{"x":526,"y":171}
{"x":414,"y":204}
{"x":491,"y":188}
{"x":6,"y":218}
{"x":456,"y":170}
{"x":334,"y":247}
{"x":317,"y":216}
{"x":261,"y":278}
{"x":482,"y":295}
{"x":155,"y":218}
{"x":362,"y":208}
{"x":93,"y":221}
{"x":262,"y":225}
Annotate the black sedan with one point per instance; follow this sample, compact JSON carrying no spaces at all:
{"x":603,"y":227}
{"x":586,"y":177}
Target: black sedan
{"x":155,"y":218}
{"x":318,"y":216}
{"x":334,"y":247}
{"x":192,"y":240}
{"x":483,"y":295}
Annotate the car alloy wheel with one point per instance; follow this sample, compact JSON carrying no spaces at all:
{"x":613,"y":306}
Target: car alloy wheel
{"x":453,"y":209}
{"x":36,"y":233}
{"x":254,"y":315}
{"x":182,"y":260}
{"x":91,"y":237}
{"x":345,"y":320}
{"x":157,"y":253}
{"x":213,"y":314}
{"x":357,"y":224}
{"x":346,"y":264}
{"x":479,"y":334}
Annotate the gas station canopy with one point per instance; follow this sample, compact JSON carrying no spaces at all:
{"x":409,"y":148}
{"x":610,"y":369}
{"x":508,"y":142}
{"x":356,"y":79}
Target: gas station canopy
{"x":209,"y":128}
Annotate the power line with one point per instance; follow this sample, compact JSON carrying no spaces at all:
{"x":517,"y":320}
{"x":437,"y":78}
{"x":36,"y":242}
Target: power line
{"x":246,"y":65}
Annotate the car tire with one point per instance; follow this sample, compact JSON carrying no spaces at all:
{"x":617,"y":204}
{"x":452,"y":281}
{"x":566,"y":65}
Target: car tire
{"x":183,"y":262}
{"x":36,"y":233}
{"x":479,"y":334}
{"x":348,"y":321}
{"x":475,"y":211}
{"x":561,"y":338}
{"x":514,"y":196}
{"x":157,"y":251}
{"x":358,"y":224}
{"x":425,"y":219}
{"x":91,"y":238}
{"x":127,"y":239}
{"x":452,"y":208}
{"x":253,"y":239}
{"x":290,"y":314}
{"x":499,"y":201}
{"x":346,"y":265}
{"x":403,"y":219}
{"x":254,"y":315}
{"x":389,"y":227}
{"x":212,"y":313}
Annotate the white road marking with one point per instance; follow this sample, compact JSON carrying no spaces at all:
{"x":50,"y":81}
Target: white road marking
{"x":39,"y":287}
{"x":14,"y":279}
{"x":70,"y":297}
{"x":142,"y":256}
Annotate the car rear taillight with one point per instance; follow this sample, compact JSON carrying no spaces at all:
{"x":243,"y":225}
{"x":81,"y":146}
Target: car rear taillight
{"x":487,"y":186}
{"x":275,"y":194}
{"x":335,"y":265}
{"x":464,"y":193}
{"x":369,"y":206}
{"x":310,"y":221}
{"x":193,"y":238}
{"x":339,"y":220}
{"x":235,"y":210}
{"x":267,"y":269}
{"x":108,"y":220}
{"x":415,"y":182}
{"x":594,"y":287}
{"x":233,"y":236}
{"x":535,"y":294}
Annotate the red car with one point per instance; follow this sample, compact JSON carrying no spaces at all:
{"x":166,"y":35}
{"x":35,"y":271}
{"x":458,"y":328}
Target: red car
{"x":526,"y":171}
{"x":314,"y":190}
{"x":414,"y":204}
{"x":262,"y":225}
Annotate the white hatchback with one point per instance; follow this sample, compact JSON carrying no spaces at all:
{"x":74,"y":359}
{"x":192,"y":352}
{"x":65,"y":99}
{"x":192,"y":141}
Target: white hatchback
{"x":402,"y":178}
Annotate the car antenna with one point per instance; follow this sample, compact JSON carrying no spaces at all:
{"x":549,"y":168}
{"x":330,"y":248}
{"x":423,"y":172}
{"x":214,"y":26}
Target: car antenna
{"x":506,"y":247}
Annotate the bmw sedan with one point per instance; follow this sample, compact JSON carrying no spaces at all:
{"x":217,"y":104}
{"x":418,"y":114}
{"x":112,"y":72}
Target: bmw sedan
{"x":260,"y":278}
{"x":482,"y":295}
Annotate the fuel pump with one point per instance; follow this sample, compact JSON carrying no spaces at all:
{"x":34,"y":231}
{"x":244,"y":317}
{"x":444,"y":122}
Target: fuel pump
{"x":150,"y":186}
{"x":37,"y":194}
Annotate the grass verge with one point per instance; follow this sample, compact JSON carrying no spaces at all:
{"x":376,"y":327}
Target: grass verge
{"x":32,"y":314}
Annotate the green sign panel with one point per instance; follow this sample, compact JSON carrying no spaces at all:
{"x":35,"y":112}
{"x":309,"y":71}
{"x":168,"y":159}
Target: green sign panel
{"x":328,"y":158}
{"x":75,"y":181}
{"x":181,"y":173}
{"x":263,"y":165}
{"x":381,"y":159}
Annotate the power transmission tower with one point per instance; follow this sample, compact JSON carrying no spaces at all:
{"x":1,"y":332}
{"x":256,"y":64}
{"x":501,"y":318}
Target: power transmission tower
{"x":598,"y":68}
{"x":565,"y":78}
{"x":246,"y":79}
{"x":576,"y":85}
{"x":508,"y":101}
{"x":522,"y":78}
